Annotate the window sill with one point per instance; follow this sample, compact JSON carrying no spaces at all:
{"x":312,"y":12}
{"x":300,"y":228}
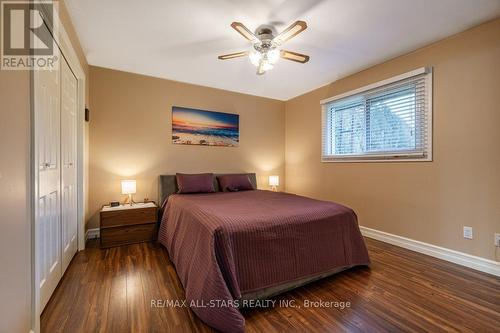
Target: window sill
{"x":378,"y":159}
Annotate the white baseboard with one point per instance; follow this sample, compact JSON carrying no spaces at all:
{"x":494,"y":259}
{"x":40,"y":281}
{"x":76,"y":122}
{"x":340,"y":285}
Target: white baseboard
{"x":92,"y":233}
{"x":460,"y":258}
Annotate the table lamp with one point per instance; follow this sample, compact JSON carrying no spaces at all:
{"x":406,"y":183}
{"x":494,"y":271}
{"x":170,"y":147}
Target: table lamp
{"x":274,"y":182}
{"x":129,"y":188}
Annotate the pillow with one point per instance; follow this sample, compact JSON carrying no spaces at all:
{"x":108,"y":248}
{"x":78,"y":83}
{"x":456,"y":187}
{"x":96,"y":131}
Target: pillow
{"x":195,"y":183}
{"x":234,"y":183}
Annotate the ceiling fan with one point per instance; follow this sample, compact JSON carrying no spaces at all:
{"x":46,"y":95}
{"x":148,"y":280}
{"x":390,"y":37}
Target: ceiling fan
{"x":266,"y":45}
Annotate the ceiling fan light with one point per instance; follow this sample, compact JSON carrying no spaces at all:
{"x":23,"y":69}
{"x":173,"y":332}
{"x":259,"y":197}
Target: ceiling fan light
{"x":273,"y":56}
{"x":266,"y":66}
{"x":255,"y":58}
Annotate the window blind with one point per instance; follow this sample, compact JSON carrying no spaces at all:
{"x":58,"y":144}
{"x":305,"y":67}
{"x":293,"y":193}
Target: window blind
{"x":391,"y":121}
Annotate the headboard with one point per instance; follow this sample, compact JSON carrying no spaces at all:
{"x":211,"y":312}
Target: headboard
{"x":167,"y":185}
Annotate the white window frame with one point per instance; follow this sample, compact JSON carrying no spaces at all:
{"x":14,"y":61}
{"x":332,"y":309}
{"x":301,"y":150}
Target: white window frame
{"x":381,"y":157}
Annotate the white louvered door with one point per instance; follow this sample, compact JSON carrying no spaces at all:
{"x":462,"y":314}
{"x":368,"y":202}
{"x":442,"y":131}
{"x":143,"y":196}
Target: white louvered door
{"x":68,"y":163}
{"x":48,"y":164}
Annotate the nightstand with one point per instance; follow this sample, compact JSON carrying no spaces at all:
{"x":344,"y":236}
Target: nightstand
{"x":127,"y":224}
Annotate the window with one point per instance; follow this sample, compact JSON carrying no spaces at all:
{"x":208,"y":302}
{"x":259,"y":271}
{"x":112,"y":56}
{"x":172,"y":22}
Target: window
{"x":389,"y":120}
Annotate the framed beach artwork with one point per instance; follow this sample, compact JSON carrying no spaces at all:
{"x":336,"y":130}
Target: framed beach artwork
{"x":207,"y":128}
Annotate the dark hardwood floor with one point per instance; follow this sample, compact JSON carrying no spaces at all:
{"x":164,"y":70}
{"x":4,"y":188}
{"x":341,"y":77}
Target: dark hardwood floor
{"x":111,"y":291}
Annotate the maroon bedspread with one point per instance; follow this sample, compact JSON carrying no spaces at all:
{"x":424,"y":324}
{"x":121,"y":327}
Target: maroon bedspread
{"x":226,"y":244}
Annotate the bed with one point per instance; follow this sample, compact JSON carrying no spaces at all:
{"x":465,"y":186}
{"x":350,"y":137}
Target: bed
{"x":228,"y":247}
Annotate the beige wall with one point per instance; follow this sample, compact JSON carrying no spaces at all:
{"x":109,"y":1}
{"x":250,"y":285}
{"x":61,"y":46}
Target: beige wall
{"x":130,"y":134}
{"x":15,"y":238}
{"x":431,"y":201}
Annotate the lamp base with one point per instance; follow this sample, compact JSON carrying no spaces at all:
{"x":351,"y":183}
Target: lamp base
{"x":129,"y":200}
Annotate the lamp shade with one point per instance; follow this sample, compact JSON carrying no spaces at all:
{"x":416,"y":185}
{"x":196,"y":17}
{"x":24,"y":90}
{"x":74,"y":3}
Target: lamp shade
{"x":128,"y":187}
{"x":274,"y":180}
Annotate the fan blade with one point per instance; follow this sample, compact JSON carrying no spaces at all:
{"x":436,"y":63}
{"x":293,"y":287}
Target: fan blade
{"x":239,"y":27}
{"x":290,"y":32}
{"x":294,"y":56}
{"x":232,"y":55}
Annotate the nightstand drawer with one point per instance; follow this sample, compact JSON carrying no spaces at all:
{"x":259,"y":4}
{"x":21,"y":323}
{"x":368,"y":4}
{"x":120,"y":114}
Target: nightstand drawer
{"x":127,"y":235}
{"x":128,"y":217}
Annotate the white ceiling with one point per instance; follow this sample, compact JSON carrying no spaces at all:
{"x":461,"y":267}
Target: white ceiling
{"x":180,"y":40}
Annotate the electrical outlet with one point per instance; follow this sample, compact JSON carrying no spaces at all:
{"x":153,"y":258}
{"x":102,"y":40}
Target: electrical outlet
{"x":497,"y":239}
{"x":468,"y":232}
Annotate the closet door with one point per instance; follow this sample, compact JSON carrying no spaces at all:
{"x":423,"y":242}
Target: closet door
{"x":47,"y":185}
{"x":68,"y":163}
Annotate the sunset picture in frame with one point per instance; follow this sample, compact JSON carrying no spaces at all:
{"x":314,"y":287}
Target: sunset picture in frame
{"x":206,"y":128}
